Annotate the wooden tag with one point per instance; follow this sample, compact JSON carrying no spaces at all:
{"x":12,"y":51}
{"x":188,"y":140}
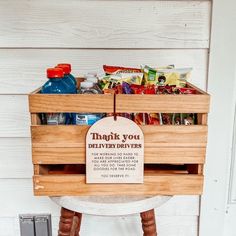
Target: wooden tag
{"x":114,"y":152}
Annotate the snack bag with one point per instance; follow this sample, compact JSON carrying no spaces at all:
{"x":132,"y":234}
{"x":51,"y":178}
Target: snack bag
{"x":187,"y":91}
{"x":154,"y":119}
{"x":166,"y":76}
{"x":176,"y":76}
{"x":166,"y":119}
{"x":176,"y":119}
{"x":189,"y":119}
{"x":141,"y":118}
{"x":153,"y":76}
{"x":114,"y":70}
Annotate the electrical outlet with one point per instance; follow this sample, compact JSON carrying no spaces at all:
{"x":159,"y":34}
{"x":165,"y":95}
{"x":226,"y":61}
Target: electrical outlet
{"x":35,"y":225}
{"x":27,"y":225}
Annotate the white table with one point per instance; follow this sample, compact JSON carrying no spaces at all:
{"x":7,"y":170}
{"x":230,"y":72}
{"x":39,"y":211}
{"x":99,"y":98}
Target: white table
{"x":72,"y":209}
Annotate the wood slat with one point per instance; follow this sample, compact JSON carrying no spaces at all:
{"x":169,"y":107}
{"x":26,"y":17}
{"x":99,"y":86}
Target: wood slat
{"x":153,"y":185}
{"x":162,"y":103}
{"x":68,"y":24}
{"x":154,"y":136}
{"x":151,"y":155}
{"x":124,"y":103}
{"x":71,"y":103}
{"x":32,"y":64}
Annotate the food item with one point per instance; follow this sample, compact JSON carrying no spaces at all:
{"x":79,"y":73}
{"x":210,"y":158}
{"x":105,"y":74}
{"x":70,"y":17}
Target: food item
{"x":176,"y":76}
{"x":187,"y":91}
{"x":176,"y":119}
{"x":166,"y":119}
{"x":141,"y":118}
{"x":189,"y":119}
{"x":126,"y":88}
{"x":114,"y":70}
{"x":154,"y":119}
{"x":166,"y":76}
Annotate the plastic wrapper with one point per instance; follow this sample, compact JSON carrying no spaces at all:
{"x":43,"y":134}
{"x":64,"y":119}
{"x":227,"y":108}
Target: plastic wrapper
{"x":187,"y":91}
{"x":166,"y":118}
{"x":141,"y":89}
{"x":154,"y":119}
{"x":110,"y":81}
{"x":114,"y":70}
{"x":166,"y":89}
{"x":166,"y":76}
{"x":126,"y":88}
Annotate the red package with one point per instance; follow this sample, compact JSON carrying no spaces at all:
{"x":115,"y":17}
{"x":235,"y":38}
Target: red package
{"x":166,"y":119}
{"x":112,"y":70}
{"x":187,"y":90}
{"x":119,"y":89}
{"x":150,"y":89}
{"x":166,"y":89}
{"x":153,"y":119}
{"x":137,"y":89}
{"x":141,"y":118}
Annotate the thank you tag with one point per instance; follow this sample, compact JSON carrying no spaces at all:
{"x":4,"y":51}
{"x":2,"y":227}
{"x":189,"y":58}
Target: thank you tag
{"x":114,"y":152}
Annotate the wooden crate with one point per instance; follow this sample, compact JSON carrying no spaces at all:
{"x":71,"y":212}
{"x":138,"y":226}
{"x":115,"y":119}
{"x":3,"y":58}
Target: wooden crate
{"x":174,"y":155}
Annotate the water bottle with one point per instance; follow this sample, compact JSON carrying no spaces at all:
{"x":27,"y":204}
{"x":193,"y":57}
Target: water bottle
{"x":87,"y":87}
{"x":94,"y":80}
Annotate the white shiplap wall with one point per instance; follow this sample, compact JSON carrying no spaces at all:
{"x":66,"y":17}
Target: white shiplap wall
{"x":37,"y":34}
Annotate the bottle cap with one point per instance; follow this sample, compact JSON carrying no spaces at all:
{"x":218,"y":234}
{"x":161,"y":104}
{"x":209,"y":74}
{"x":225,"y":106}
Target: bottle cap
{"x":55,"y":73}
{"x":66,"y":68}
{"x":86,"y":84}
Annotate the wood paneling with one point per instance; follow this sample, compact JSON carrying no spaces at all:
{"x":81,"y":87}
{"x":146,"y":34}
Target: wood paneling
{"x":14,"y":116}
{"x":125,"y":225}
{"x":23,"y":189}
{"x":105,"y":24}
{"x":22,"y":71}
{"x":15,"y":155}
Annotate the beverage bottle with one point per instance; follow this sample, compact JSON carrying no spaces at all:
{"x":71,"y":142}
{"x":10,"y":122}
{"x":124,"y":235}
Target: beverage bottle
{"x":68,"y":76}
{"x":87,"y":87}
{"x":95,"y":82}
{"x":55,"y":85}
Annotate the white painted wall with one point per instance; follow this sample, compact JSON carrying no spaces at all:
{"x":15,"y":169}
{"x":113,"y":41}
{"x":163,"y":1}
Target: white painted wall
{"x":218,"y":210}
{"x":38,"y":34}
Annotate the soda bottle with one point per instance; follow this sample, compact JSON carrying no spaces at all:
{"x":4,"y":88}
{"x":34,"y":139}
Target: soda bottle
{"x":67,"y":69}
{"x":68,"y":78}
{"x":55,"y":85}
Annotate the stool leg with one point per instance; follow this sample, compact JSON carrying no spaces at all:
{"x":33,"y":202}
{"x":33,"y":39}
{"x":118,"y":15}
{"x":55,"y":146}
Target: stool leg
{"x":148,"y":223}
{"x":78,"y":217}
{"x":66,"y":222}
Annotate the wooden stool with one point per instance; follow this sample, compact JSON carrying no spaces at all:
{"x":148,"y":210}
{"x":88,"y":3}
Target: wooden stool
{"x":72,"y":209}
